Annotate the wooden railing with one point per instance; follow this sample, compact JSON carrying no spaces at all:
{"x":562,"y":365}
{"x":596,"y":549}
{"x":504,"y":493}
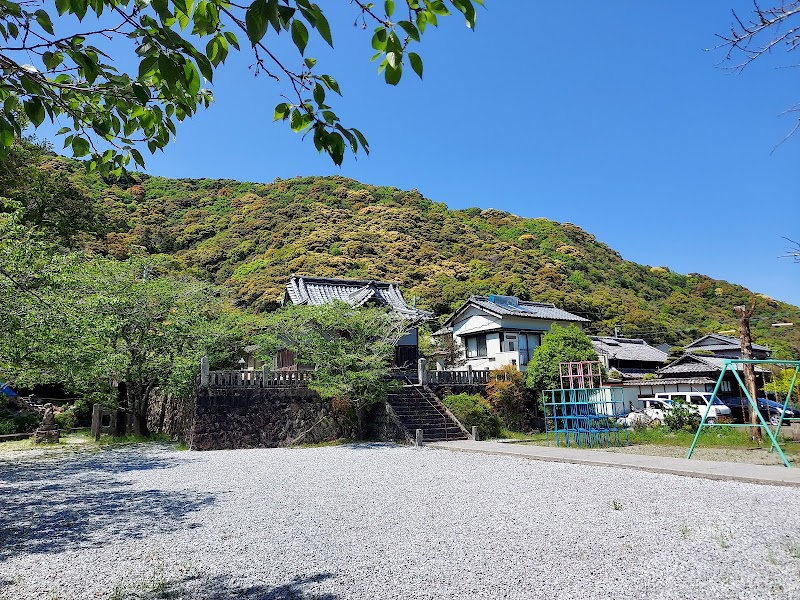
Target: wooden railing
{"x":258,"y":378}
{"x":466,"y":377}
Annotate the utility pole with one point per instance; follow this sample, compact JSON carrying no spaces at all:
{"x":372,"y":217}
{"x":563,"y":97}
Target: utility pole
{"x":743,"y":315}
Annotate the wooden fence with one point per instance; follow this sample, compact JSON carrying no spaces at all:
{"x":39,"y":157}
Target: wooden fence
{"x":467,"y":377}
{"x":258,"y":378}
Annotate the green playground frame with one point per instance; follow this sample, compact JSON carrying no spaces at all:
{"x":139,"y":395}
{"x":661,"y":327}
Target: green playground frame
{"x":730,"y":365}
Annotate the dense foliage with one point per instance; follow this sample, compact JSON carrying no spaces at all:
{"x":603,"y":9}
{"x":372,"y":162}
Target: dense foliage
{"x":507,"y":393}
{"x":62,"y":62}
{"x":474,"y":410}
{"x":350,"y":349}
{"x":250,"y":237}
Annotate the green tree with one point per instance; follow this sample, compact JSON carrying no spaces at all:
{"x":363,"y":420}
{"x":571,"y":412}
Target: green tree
{"x":98,"y":322}
{"x":52,"y":70}
{"x":560,"y":344}
{"x":351,"y":349}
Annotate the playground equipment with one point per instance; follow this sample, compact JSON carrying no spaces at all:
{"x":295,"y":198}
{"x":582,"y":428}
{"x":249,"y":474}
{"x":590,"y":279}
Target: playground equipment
{"x":730,"y":366}
{"x":582,"y":412}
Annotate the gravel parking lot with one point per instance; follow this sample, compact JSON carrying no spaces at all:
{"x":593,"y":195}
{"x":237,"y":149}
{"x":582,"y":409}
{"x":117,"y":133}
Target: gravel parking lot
{"x":379,"y":521}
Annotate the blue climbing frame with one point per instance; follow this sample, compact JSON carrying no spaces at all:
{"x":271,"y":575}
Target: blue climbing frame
{"x":730,"y":365}
{"x":585,"y":417}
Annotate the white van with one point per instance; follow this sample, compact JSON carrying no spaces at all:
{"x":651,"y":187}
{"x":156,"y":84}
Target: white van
{"x":699,"y":401}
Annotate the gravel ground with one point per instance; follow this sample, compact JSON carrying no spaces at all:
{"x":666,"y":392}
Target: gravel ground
{"x":756,"y":456}
{"x":378,"y":521}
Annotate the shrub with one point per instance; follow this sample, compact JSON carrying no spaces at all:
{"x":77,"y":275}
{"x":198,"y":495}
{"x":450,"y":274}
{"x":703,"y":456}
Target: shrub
{"x":681,"y":417}
{"x":474,"y":409}
{"x":21,"y":422}
{"x":506,"y":391}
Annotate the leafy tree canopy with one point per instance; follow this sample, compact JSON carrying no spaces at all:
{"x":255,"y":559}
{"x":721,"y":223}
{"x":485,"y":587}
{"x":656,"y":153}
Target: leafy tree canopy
{"x":350,"y":349}
{"x":52,"y":70}
{"x":560,"y":344}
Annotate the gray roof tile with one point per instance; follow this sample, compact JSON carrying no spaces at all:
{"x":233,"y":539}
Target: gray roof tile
{"x":355,"y":292}
{"x":628,"y":349}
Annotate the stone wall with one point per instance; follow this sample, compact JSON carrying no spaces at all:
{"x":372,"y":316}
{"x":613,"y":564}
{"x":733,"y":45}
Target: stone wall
{"x":171,"y":416}
{"x":253,"y":417}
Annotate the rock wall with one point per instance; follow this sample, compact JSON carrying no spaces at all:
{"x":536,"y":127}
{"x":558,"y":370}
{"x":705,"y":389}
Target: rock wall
{"x":171,"y":416}
{"x":253,"y":417}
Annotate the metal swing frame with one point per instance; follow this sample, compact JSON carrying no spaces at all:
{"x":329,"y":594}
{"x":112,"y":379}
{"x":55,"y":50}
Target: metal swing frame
{"x":730,"y":365}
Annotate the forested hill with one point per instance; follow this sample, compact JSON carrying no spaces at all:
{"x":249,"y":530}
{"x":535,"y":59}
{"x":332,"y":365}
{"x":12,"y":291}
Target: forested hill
{"x":250,"y":237}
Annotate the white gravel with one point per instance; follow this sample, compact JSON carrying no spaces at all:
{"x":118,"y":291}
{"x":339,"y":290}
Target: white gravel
{"x":382,"y":522}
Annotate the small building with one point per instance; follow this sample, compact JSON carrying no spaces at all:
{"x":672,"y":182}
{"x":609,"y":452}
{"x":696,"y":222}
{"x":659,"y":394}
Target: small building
{"x":694,"y":366}
{"x":303,"y":290}
{"x":632,"y":358}
{"x":495,"y":331}
{"x":636,"y":389}
{"x":724,"y":346}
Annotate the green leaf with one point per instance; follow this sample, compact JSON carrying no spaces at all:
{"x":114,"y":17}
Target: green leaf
{"x":330,"y":83}
{"x":34,"y":109}
{"x":310,"y":62}
{"x":282,"y":111}
{"x":319,"y":94}
{"x":229,"y":35}
{"x":43,"y":19}
{"x":299,"y":35}
{"x":147,"y":66}
{"x":394,"y":59}
{"x":256,"y":19}
{"x":410,"y":29}
{"x":388,"y":6}
{"x":466,"y":8}
{"x":392,"y":74}
{"x":361,"y":139}
{"x":416,"y":63}
{"x":168,"y":70}
{"x":322,"y":26}
{"x":379,"y":39}
{"x":80,"y":147}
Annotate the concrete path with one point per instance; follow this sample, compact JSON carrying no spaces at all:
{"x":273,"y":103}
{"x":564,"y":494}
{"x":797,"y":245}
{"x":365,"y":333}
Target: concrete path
{"x":725,"y":471}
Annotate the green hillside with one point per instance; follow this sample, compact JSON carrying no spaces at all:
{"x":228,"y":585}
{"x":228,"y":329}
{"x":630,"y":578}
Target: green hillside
{"x":250,"y":237}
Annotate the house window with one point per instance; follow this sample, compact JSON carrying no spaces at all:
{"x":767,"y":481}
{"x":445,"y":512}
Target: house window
{"x":476,"y":346}
{"x":510,"y":342}
{"x":726,"y":386}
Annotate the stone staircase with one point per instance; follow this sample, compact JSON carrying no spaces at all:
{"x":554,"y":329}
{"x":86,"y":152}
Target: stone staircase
{"x":417,"y":408}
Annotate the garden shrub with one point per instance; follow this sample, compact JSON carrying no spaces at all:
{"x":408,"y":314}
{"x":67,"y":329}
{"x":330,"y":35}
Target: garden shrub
{"x":21,"y":422}
{"x":506,"y":391}
{"x":474,"y":409}
{"x":682,"y":417}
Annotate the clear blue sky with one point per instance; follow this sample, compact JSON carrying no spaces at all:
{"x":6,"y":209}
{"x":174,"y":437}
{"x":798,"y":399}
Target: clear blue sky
{"x":609,"y":115}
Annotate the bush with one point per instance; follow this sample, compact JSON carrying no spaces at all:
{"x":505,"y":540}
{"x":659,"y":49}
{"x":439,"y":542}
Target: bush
{"x":681,"y":417}
{"x":77,"y":415}
{"x":474,"y":409}
{"x":506,"y":391}
{"x":22,"y":422}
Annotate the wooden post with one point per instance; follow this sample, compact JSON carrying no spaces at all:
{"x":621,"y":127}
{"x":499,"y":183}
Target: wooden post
{"x":204,"y":372}
{"x":743,"y":315}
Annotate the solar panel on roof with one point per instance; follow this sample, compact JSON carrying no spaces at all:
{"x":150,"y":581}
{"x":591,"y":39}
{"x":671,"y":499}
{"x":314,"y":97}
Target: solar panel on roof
{"x":504,"y":300}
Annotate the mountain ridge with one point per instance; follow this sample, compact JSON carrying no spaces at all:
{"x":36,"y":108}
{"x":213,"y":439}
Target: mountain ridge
{"x":250,"y":237}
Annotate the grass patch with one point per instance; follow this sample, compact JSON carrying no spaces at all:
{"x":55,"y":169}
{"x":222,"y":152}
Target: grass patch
{"x":510,"y":434}
{"x":712,"y":437}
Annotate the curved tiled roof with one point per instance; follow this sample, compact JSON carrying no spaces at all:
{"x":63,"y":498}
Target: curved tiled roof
{"x":355,"y":292}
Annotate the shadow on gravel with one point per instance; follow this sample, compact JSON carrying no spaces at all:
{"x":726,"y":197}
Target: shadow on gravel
{"x":51,"y":505}
{"x":222,"y":588}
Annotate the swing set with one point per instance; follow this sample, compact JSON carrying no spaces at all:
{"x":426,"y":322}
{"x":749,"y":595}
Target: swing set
{"x":731,"y":366}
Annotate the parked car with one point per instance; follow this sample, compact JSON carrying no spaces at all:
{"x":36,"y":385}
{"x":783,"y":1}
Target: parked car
{"x":652,"y":414}
{"x":769,"y":409}
{"x":699,"y":401}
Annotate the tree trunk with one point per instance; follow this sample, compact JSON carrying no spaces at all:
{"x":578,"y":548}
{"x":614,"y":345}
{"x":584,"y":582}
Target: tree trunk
{"x":743,"y":315}
{"x":360,"y":422}
{"x":139,"y":406}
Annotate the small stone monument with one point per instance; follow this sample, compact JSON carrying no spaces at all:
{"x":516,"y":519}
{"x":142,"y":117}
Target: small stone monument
{"x":48,"y":431}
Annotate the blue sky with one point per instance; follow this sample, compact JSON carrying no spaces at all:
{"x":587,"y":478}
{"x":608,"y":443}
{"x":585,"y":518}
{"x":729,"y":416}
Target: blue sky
{"x":608,"y":115}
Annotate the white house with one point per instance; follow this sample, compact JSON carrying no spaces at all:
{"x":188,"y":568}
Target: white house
{"x":502,"y":330}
